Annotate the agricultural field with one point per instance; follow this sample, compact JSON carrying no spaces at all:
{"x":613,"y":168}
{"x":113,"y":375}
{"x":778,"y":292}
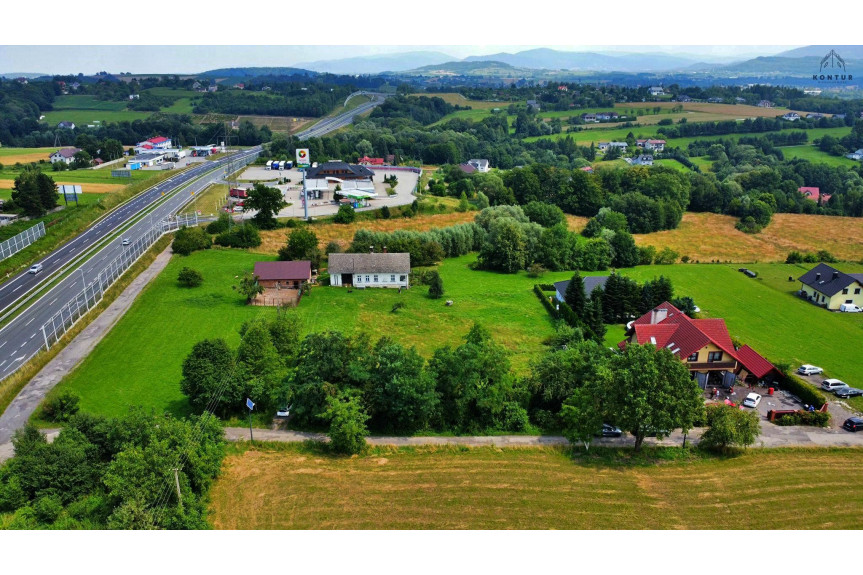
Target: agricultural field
{"x":11,"y":156}
{"x":292,"y":486}
{"x":278,"y":123}
{"x":91,"y":116}
{"x":459,"y":100}
{"x":674,"y":164}
{"x":91,"y":181}
{"x":706,"y":237}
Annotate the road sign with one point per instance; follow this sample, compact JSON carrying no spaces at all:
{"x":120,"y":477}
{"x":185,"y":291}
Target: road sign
{"x":303,"y":158}
{"x":250,"y":404}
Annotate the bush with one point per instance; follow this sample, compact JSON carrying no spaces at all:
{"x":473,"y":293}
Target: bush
{"x":61,"y":407}
{"x":347,"y":424}
{"x":535,"y":270}
{"x":646,"y":255}
{"x":435,"y":285}
{"x":220,"y":225}
{"x":346,"y":214}
{"x":245,"y":236}
{"x":333,"y":247}
{"x":813,"y":418}
{"x":385,"y":212}
{"x":729,"y":427}
{"x":794,"y":257}
{"x":666,"y":257}
{"x":188,"y":240}
{"x":190,"y":278}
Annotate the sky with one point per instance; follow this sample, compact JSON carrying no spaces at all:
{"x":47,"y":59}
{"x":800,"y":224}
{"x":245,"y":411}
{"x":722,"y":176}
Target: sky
{"x":195,"y":58}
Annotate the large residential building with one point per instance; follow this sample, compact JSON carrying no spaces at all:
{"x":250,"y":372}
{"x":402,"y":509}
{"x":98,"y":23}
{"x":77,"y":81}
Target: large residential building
{"x":383,"y":270}
{"x":828,"y":287}
{"x":704,"y":345}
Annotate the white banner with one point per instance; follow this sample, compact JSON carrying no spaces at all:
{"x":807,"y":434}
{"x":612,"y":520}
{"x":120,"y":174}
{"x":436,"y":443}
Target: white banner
{"x":67,"y":190}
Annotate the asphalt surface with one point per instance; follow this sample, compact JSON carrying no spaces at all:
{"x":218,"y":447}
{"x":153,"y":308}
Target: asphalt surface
{"x":341,"y":120}
{"x":22,"y":337}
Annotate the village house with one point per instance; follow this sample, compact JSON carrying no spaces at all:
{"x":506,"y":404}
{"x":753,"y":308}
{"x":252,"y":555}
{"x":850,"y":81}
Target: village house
{"x":480,"y":165}
{"x":534,"y":105}
{"x":153,"y":145}
{"x":603,"y":146}
{"x":740,"y":100}
{"x":765,"y":104}
{"x":656,"y":91}
{"x":715,"y":100}
{"x":641,"y":160}
{"x":66,"y":125}
{"x":590,"y":283}
{"x":791,"y":116}
{"x":589,"y":118}
{"x":65,"y":155}
{"x":683,"y":98}
{"x":654,"y":145}
{"x":857,"y":155}
{"x":367,"y":161}
{"x":814,"y":116}
{"x":607,"y":115}
{"x":814,"y":194}
{"x":467,"y":168}
{"x":704,"y":345}
{"x":282,"y":282}
{"x":383,"y":270}
{"x":828,"y":287}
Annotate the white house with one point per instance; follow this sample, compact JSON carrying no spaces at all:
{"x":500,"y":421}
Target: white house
{"x":66,"y":125}
{"x":641,"y":160}
{"x":480,"y":165}
{"x":858,"y":155}
{"x":657,"y":91}
{"x":607,"y":116}
{"x":146,"y":160}
{"x":654,"y":145}
{"x":66,"y":155}
{"x":603,"y":146}
{"x":791,"y":116}
{"x":383,"y":270}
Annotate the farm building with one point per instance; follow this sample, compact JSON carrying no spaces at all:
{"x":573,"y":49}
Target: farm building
{"x":340,"y":170}
{"x":703,"y":344}
{"x":828,"y":287}
{"x":66,"y":155}
{"x":791,"y":116}
{"x":370,"y":270}
{"x":283,"y":275}
{"x":66,"y":125}
{"x":590,"y":283}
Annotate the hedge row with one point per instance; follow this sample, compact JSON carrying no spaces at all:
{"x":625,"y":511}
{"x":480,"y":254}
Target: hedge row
{"x":805,"y":391}
{"x":537,"y":289}
{"x":814,"y":418}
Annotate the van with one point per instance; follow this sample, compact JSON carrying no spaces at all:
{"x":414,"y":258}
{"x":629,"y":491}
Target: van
{"x":849,"y":307}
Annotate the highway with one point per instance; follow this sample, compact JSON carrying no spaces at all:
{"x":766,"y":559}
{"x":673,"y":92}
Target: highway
{"x":22,"y":336}
{"x":346,"y":119}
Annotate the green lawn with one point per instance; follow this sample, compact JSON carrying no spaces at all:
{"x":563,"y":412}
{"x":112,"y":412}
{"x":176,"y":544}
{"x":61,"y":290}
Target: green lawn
{"x":140,"y":360}
{"x":86,"y":117}
{"x":671,"y":164}
{"x":85,"y":102}
{"x":101,"y":176}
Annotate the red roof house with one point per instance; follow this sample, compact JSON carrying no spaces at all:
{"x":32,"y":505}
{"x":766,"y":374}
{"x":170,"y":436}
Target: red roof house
{"x":367,"y":161}
{"x":814,"y":194}
{"x":283,"y":274}
{"x":704,"y":344}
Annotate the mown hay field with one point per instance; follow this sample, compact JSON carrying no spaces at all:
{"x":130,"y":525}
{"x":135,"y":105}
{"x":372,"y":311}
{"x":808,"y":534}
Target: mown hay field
{"x":295,"y":487}
{"x":706,"y":237}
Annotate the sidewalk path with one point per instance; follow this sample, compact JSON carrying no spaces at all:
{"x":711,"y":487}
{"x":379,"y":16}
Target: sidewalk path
{"x":26,"y":402}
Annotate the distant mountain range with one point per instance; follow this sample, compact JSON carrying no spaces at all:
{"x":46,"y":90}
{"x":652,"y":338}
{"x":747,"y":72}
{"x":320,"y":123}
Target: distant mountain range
{"x":13,"y":75}
{"x":377,"y":64}
{"x":548,"y":59}
{"x":252,"y":72}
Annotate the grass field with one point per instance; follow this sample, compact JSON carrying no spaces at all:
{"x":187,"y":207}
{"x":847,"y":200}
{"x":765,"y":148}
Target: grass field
{"x":87,"y":117}
{"x":706,"y":237}
{"x":91,"y":181}
{"x":278,"y":123}
{"x":458,"y":100}
{"x":813,"y":154}
{"x":86,"y":102}
{"x":294,"y":487}
{"x":207,"y":202}
{"x":11,"y":156}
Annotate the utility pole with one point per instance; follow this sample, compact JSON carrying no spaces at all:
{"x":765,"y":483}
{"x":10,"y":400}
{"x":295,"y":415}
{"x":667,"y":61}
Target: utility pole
{"x":177,"y":483}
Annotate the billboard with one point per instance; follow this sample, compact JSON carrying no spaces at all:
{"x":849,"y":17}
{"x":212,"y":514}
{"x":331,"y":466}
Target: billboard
{"x":303,"y":158}
{"x":69,"y":192}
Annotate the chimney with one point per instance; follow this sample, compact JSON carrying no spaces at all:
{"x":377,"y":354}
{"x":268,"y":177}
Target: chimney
{"x":371,"y":249}
{"x":817,"y":277}
{"x":385,"y":249}
{"x":835,"y":274}
{"x":658,"y":315}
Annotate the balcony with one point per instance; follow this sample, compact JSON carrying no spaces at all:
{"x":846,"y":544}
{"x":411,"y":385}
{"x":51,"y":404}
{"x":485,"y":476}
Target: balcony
{"x":702,"y":366}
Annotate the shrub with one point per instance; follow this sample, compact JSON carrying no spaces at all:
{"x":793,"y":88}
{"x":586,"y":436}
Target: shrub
{"x":346,"y":214}
{"x":435,"y":285}
{"x":333,"y":247}
{"x":794,"y":257}
{"x":666,"y":257}
{"x":245,"y":236}
{"x":813,"y":418}
{"x":729,"y":427}
{"x":385,"y":212}
{"x":535,"y":270}
{"x":188,"y":240}
{"x":61,"y":407}
{"x":347,"y":424}
{"x":397,"y":306}
{"x":646,"y":255}
{"x":190,"y":278}
{"x":220,"y":225}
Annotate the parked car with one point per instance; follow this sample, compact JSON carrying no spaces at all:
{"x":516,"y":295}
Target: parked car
{"x":284,"y":412}
{"x":752,"y":400}
{"x":610,"y":431}
{"x":850,"y":307}
{"x":853,"y":424}
{"x":833,"y":384}
{"x":807,"y":369}
{"x":848,"y":392}
{"x":35,"y":269}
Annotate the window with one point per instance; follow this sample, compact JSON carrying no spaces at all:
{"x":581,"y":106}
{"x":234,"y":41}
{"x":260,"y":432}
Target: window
{"x":393,"y":278}
{"x":845,"y":291}
{"x":693,"y":357}
{"x":367,"y":279}
{"x":849,"y":301}
{"x":376,"y":279}
{"x":359,"y":279}
{"x":402,"y":278}
{"x":856,"y":291}
{"x":714,"y":356}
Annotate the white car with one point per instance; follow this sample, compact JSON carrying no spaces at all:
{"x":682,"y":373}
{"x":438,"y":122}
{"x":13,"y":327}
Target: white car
{"x":807,"y":369}
{"x":35,"y":269}
{"x":833,"y":384}
{"x":284,"y":412}
{"x":752,"y":400}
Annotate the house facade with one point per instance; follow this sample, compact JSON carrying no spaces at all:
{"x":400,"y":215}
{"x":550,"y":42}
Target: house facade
{"x":704,"y":345}
{"x":641,"y":160}
{"x":604,"y":146}
{"x":382,"y":270}
{"x":480,"y":165}
{"x":654,"y":145}
{"x":283,"y":275}
{"x":828,"y":287}
{"x":66,"y":155}
{"x":656,"y":91}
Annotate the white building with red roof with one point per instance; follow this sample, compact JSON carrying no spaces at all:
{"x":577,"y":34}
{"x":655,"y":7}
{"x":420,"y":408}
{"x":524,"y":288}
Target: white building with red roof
{"x":153,"y":144}
{"x":703,"y":344}
{"x":814,"y":194}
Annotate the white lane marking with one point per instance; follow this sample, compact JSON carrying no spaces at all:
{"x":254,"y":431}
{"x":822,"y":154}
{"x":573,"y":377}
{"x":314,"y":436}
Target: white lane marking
{"x":17,"y":288}
{"x":23,"y":344}
{"x":4,"y":361}
{"x":2,"y":344}
{"x":52,"y":301}
{"x":18,"y":358}
{"x":32,"y":336}
{"x":29,"y":322}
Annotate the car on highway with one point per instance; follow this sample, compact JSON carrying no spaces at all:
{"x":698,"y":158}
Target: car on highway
{"x":833,"y":384}
{"x":126,"y":241}
{"x":848,"y":392}
{"x":752,"y":400}
{"x":853,"y":424}
{"x":807,"y":369}
{"x":35,"y":269}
